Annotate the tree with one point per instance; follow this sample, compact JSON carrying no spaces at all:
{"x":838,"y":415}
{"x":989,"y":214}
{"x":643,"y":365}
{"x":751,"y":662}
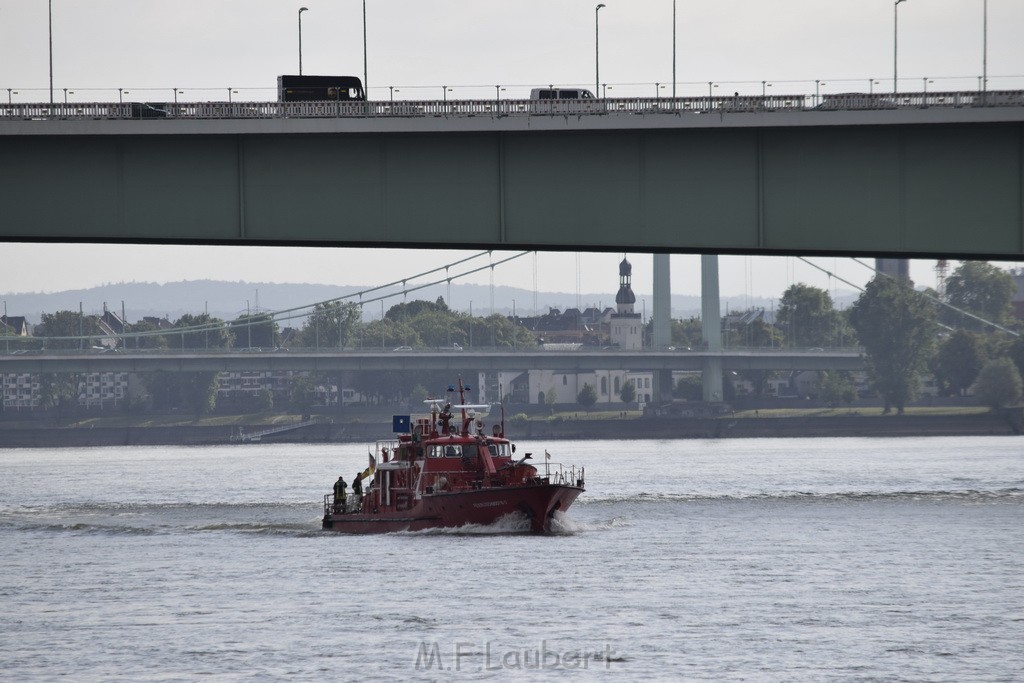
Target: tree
{"x":687,"y":334}
{"x":760,"y":334}
{"x":154,"y":341}
{"x":896,"y":325}
{"x":198,"y":391}
{"x":258,"y":330}
{"x":332,"y":324}
{"x":999,"y":384}
{"x":265,"y":400}
{"x":68,"y":324}
{"x":418,"y":395}
{"x":628,"y":393}
{"x":208,"y":332}
{"x":982,"y":289}
{"x":759,"y":379}
{"x":587,"y":396}
{"x":302,"y":393}
{"x":958,"y":361}
{"x":837,"y":387}
{"x":58,"y":390}
{"x":193,"y":391}
{"x":1016,"y":353}
{"x":689,"y":388}
{"x":551,"y":398}
{"x":807,"y":315}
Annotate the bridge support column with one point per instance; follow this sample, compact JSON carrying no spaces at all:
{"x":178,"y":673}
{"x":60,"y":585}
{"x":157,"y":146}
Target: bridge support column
{"x":711,"y":326}
{"x":662,"y":323}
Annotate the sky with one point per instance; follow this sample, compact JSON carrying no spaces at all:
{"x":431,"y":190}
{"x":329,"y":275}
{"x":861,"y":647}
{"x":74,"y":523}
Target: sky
{"x":204,"y":48}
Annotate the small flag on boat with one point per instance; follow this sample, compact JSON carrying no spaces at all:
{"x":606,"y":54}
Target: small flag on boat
{"x":368,"y":472}
{"x":546,"y":454}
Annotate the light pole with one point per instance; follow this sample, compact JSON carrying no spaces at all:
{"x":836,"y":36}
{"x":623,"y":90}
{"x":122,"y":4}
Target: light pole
{"x":301,"y":10}
{"x":366,"y":78}
{"x":50,"y":27}
{"x":597,"y":47}
{"x":895,"y":42}
{"x":984,"y":45}
{"x":673,"y":50}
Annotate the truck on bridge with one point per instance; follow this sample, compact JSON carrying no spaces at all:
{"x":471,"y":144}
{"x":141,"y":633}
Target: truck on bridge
{"x":319,"y":89}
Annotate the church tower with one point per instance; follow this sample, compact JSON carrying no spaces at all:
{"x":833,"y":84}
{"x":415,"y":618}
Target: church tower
{"x":626,"y":326}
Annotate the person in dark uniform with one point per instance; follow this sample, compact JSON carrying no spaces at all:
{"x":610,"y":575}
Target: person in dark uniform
{"x":339,"y":495}
{"x":357,"y":489}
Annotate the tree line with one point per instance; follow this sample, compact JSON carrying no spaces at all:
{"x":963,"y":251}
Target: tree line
{"x":968,"y":340}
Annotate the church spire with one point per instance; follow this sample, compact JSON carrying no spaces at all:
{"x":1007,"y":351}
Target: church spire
{"x":625,"y":298}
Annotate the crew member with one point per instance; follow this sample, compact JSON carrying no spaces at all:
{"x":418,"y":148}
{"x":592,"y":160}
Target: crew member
{"x":357,"y":489}
{"x":339,"y":495}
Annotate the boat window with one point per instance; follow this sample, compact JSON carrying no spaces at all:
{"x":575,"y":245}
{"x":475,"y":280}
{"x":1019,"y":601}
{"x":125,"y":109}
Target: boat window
{"x":499,"y":450}
{"x":452,"y":451}
{"x":437,"y":451}
{"x":470,"y":451}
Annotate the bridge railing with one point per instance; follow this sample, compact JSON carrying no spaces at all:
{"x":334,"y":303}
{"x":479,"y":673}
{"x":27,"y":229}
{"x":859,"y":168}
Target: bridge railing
{"x":505,"y":108}
{"x":468,"y":350}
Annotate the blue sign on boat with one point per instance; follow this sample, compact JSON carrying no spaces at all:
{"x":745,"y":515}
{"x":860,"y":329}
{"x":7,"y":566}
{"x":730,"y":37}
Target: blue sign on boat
{"x":400,"y":424}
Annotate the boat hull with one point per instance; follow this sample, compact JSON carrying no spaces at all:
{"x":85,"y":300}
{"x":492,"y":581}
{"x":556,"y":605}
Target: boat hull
{"x":458,"y":508}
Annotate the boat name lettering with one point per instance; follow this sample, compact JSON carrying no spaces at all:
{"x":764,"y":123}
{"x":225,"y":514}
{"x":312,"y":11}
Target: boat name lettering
{"x":490,"y":504}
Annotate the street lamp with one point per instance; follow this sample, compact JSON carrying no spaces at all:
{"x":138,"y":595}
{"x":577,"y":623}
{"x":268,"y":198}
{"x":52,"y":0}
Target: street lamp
{"x":597,"y":47}
{"x":895,"y":41}
{"x":673,"y":50}
{"x":366,"y":78}
{"x":301,"y":10}
{"x":984,"y":45}
{"x":50,"y":26}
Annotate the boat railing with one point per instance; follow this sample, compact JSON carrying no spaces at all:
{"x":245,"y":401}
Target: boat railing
{"x":352,"y":503}
{"x":563,"y":475}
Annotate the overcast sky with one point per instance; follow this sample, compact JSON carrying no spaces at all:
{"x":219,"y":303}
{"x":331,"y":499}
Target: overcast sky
{"x":205,"y":47}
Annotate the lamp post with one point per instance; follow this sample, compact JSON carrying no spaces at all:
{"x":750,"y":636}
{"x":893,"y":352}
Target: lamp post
{"x":597,"y":47}
{"x":673,"y":50}
{"x":895,"y":42}
{"x":366,"y":78}
{"x":984,"y":45}
{"x":50,"y":29}
{"x":301,"y":10}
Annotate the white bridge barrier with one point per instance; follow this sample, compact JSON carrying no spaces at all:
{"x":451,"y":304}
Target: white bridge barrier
{"x":501,"y":108}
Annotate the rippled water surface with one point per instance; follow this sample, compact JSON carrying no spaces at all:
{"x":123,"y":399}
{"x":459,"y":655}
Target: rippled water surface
{"x":782,"y":559}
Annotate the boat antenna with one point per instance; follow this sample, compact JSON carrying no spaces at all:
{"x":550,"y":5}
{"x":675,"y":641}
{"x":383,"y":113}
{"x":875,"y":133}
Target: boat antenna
{"x":501,"y":402}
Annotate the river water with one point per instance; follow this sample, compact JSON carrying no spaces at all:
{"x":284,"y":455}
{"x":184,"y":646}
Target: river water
{"x":761,"y":559}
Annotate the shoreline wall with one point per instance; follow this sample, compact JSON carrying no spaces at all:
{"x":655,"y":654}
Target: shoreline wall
{"x":1000,"y":423}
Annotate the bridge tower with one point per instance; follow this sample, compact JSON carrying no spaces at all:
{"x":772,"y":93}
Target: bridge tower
{"x":662,"y":323}
{"x":711,"y":320}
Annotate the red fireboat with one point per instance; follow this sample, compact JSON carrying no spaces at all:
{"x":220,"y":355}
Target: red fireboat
{"x":443,"y":471}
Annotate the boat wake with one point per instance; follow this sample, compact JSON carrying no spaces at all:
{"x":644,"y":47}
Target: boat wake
{"x":512,"y":523}
{"x":119,"y":519}
{"x":1010,"y":495}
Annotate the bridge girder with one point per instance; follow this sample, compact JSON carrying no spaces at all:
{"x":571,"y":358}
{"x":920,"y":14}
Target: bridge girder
{"x":917,"y":182}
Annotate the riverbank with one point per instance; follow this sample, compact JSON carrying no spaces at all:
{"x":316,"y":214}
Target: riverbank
{"x":576,"y":426}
